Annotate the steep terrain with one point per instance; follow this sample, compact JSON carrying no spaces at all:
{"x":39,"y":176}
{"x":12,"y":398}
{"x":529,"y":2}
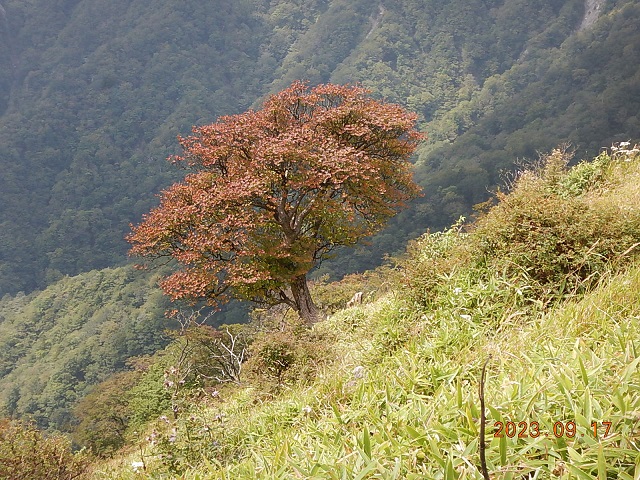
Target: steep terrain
{"x":92,"y":97}
{"x":537,"y":302}
{"x":591,"y":13}
{"x":56,"y":344}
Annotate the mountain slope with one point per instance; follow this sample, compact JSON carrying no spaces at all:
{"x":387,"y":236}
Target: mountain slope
{"x":394,"y":393}
{"x":99,"y":94}
{"x":92,"y":97}
{"x":57,"y":343}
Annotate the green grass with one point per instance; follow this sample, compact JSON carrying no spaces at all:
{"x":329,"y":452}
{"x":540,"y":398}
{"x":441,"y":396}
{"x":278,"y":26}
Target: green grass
{"x":397,"y":397}
{"x":414,"y":413}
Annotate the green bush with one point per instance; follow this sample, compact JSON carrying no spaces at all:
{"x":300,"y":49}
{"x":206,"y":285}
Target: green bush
{"x":103,"y":415}
{"x":288,"y":356}
{"x":558,"y":230}
{"x":582,"y":177}
{"x":430,"y":261}
{"x":553,"y":235}
{"x":26,"y":453}
{"x":150,"y":397}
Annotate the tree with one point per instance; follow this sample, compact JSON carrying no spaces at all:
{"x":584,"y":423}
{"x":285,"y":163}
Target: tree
{"x":274,"y":191}
{"x":103,"y":415}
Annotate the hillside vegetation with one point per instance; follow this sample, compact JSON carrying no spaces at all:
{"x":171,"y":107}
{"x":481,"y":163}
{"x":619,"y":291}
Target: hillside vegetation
{"x":541,"y":289}
{"x":56,"y":344}
{"x":92,"y":97}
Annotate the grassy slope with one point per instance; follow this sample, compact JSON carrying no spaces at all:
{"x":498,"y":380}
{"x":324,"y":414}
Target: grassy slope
{"x":400,"y":399}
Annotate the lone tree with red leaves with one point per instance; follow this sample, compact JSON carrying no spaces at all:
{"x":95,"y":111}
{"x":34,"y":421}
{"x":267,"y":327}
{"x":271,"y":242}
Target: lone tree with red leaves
{"x":273,"y":191}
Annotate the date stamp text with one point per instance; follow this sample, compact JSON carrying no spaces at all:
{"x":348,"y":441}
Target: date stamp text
{"x":560,"y":429}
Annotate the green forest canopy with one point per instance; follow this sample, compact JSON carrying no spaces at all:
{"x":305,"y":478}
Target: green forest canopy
{"x":92,"y":96}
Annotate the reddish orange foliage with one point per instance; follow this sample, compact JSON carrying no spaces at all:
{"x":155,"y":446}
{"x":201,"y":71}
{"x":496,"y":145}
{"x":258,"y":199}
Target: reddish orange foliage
{"x":274,"y":190}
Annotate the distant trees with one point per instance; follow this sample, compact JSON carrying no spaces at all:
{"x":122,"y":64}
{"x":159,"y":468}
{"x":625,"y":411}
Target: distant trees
{"x":56,"y":344}
{"x":276,"y":190}
{"x":137,"y":79}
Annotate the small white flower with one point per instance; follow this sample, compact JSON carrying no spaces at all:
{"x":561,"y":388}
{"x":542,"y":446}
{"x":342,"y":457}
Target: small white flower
{"x":457,"y":291}
{"x":137,"y":466}
{"x":307,"y":409}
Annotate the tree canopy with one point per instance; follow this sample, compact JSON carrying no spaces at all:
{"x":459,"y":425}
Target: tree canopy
{"x":101,"y":91}
{"x":275,"y":190}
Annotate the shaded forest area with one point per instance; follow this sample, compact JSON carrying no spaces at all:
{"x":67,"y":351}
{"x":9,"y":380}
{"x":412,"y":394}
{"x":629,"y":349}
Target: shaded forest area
{"x":93,"y":96}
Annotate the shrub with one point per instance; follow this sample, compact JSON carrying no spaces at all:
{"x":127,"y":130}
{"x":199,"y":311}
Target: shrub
{"x":26,"y":453}
{"x":150,"y":397}
{"x":430,"y":261}
{"x":556,"y":229}
{"x":288,"y":356}
{"x":104,"y":414}
{"x":216,"y":354}
{"x":554,"y":234}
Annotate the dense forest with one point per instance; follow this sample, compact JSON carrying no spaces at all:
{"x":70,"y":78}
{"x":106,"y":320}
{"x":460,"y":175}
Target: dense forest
{"x":93,"y":95}
{"x":55,"y":344}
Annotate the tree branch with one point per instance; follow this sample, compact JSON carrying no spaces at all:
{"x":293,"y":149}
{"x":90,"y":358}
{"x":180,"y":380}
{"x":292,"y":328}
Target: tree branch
{"x":483,"y":421}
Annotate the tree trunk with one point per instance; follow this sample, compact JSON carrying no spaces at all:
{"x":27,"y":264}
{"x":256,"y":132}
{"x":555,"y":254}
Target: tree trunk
{"x":304,"y":303}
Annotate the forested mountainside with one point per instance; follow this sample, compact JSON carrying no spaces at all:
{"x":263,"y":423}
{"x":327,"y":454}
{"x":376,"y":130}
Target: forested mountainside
{"x":56,"y":344}
{"x":93,"y":95}
{"x":506,"y":349}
